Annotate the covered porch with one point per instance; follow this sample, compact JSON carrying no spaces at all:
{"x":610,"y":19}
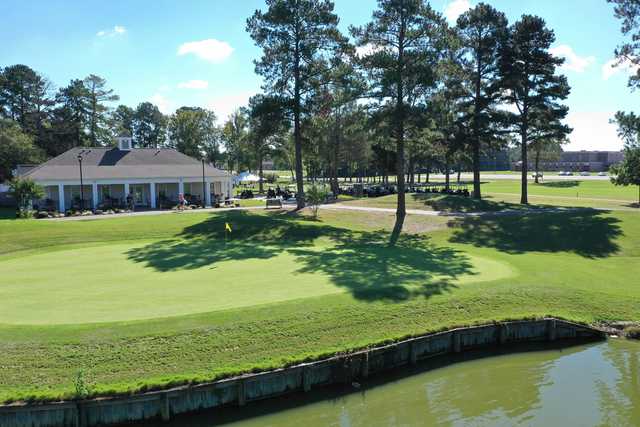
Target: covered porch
{"x":154,"y":194}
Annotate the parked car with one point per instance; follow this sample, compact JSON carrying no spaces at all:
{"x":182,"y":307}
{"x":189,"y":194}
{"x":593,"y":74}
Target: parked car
{"x":585,"y":173}
{"x":562,"y":173}
{"x":602,"y":174}
{"x":538,"y":174}
{"x":568,"y":173}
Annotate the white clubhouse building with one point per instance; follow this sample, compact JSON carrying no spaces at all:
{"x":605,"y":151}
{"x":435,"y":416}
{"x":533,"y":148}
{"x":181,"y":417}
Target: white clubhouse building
{"x":152,"y":178}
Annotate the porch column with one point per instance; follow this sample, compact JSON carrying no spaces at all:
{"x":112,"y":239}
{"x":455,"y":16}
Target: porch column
{"x":126,"y":190}
{"x":181,"y":187}
{"x":94,"y":195}
{"x":152,"y":188}
{"x":61,"y":208}
{"x":207,"y":194}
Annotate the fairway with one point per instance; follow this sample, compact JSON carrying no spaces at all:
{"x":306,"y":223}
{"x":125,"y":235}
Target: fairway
{"x":115,"y":282}
{"x":505,"y":194}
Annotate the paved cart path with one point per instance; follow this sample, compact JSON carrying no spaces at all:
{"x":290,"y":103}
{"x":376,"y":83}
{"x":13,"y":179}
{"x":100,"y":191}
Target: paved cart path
{"x":342,"y":206}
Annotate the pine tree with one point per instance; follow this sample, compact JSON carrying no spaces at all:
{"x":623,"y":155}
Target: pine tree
{"x":533,"y":87}
{"x":483,"y":31}
{"x":296,"y":37}
{"x":403,"y":41}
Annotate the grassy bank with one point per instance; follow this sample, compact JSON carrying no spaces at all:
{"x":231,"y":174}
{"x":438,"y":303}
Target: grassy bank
{"x":284,"y":288}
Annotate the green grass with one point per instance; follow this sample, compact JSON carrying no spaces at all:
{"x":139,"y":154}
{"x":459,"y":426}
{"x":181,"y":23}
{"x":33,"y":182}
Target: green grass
{"x":505,"y":194}
{"x":145,"y":302}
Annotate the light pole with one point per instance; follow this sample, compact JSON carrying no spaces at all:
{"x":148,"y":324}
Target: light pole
{"x":81,"y":184}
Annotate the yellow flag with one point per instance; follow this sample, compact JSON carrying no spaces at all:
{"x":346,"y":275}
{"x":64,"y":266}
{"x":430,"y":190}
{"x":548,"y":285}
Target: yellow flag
{"x":227,"y":227}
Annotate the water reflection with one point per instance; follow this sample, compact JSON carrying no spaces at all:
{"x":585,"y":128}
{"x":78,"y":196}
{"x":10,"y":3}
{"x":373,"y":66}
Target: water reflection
{"x":585,"y":385}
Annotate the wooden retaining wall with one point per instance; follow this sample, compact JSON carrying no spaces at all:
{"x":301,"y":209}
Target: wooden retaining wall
{"x":241,"y":390}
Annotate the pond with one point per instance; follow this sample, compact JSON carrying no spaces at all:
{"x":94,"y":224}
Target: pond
{"x":581,"y":385}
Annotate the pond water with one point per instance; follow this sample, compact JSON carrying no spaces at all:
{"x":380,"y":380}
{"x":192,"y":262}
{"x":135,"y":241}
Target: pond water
{"x":583,"y":385}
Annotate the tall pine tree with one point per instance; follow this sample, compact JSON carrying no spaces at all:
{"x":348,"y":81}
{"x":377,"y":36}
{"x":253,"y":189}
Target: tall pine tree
{"x":533,"y":87}
{"x":403,"y":41}
{"x":483,"y":31}
{"x":296,"y":37}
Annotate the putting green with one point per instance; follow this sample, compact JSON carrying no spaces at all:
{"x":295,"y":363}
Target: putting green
{"x":104,"y":283}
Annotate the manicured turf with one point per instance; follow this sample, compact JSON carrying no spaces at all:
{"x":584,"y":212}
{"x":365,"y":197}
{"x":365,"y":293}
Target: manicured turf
{"x":135,"y":281}
{"x":294,"y":288}
{"x":505,"y":194}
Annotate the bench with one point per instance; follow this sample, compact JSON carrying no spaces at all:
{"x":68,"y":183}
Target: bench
{"x":274,"y":203}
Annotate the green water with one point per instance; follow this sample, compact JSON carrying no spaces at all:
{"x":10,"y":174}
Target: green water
{"x":585,"y":385}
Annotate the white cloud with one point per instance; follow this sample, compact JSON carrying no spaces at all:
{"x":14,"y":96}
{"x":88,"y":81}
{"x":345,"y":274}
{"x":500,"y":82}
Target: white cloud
{"x":117,"y":30}
{"x":163,"y":104}
{"x":573,"y":62}
{"x":223,"y":106}
{"x":592,"y":131}
{"x":610,"y":69}
{"x":194,"y":84}
{"x":456,"y":8}
{"x":211,"y":50}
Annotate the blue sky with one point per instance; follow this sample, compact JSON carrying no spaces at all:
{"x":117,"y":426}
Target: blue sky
{"x":178,"y":53}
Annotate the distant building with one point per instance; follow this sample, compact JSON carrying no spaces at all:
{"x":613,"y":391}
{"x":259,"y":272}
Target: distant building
{"x":590,"y":161}
{"x":495,"y":160}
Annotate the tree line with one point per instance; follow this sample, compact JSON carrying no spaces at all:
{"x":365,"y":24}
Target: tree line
{"x":38,"y":122}
{"x":406,"y":93}
{"x":406,"y":90}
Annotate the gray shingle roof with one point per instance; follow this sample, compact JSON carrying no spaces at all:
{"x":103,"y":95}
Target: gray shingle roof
{"x":112,"y":163}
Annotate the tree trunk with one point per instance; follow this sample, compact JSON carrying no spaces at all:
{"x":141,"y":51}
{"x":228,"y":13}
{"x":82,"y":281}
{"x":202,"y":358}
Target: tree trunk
{"x":523,"y":198}
{"x":476,"y":170}
{"x":297,"y":133}
{"x":537,"y":165}
{"x":260,"y":173}
{"x":476,"y":138}
{"x":401,"y":211}
{"x":446,"y":173}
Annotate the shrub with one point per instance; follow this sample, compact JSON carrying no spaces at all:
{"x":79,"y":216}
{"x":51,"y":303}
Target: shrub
{"x":25,"y":191}
{"x":24,"y":213}
{"x":316,"y":195}
{"x":82,"y":388}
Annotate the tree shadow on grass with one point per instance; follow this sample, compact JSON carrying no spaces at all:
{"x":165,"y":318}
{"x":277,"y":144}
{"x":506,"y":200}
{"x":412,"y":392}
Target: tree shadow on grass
{"x":456,"y":203}
{"x":179,"y":254}
{"x":560,"y":184}
{"x":252,"y":237}
{"x":363,"y":263}
{"x":371,"y":269}
{"x":586,"y":232}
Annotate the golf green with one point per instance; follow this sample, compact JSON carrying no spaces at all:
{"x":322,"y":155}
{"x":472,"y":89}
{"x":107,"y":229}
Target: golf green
{"x":108,"y":283}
